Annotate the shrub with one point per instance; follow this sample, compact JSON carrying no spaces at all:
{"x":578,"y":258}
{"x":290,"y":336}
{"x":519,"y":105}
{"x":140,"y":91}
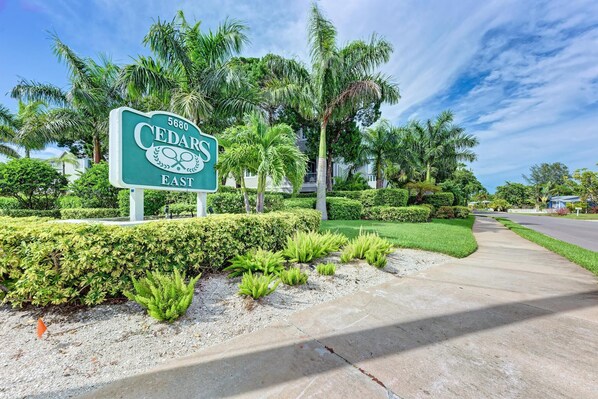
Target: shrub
{"x":499,"y":204}
{"x":561,"y":211}
{"x":256,"y":260}
{"x":70,"y":201}
{"x":233,"y":202}
{"x":343,"y":209}
{"x":306,"y":195}
{"x":461,"y":212}
{"x":32,"y":182}
{"x":356,"y":195}
{"x":182,"y":209}
{"x":439,"y":199}
{"x":56,"y":263}
{"x":293,"y":276}
{"x":326,"y":269}
{"x":445,"y":212}
{"x":165,"y":296}
{"x":412,"y":214}
{"x":25,"y":213}
{"x":308,"y":203}
{"x":8,"y":203}
{"x":153,"y":202}
{"x":355,"y":182}
{"x":431,"y":208}
{"x":368,"y":246}
{"x":94,"y":188}
{"x":304,"y":247}
{"x":257,"y":286}
{"x":89,"y":213}
{"x":384,"y":197}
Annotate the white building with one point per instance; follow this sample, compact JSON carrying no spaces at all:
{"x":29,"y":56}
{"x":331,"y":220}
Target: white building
{"x":70,"y":166}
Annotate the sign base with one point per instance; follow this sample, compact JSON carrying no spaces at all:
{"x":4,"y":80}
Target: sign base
{"x":136,"y":204}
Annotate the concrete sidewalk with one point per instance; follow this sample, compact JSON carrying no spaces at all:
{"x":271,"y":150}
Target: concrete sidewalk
{"x":511,"y":321}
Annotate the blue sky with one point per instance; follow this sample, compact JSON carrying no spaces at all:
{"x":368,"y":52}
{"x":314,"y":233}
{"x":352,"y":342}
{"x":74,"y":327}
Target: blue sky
{"x":520,"y":75}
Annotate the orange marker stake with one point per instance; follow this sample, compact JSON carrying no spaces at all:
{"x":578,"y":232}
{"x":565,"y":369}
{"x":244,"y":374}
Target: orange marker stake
{"x":41,"y":328}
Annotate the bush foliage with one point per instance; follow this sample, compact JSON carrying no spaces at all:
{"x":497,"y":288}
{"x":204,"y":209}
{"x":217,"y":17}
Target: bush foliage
{"x":26,"y":213}
{"x":70,"y":201}
{"x":153,"y":202}
{"x":367,"y":246}
{"x":233,"y":202}
{"x":343,"y":209}
{"x":304,"y":247}
{"x":293,"y":276}
{"x":445,"y":212}
{"x":94,"y":188}
{"x":56,"y":263}
{"x":89,"y":213}
{"x":257,"y":286}
{"x":165,"y":296}
{"x":439,"y":199}
{"x":326,"y":269}
{"x":413,"y":214}
{"x":256,"y":261}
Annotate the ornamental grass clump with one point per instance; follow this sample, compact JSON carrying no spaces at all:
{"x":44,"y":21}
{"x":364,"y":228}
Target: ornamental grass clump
{"x":256,"y":261}
{"x":257,"y":285}
{"x":293,"y":276}
{"x":305,"y":247}
{"x":367,"y":246}
{"x":326,"y":269}
{"x":165,"y":296}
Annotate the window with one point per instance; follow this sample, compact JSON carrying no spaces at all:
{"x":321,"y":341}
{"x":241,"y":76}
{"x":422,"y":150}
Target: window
{"x":249,"y":174}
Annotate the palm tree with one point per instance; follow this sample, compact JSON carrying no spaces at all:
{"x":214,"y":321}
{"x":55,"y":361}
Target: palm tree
{"x":7,"y":133}
{"x":81,"y":113}
{"x":190,"y":71}
{"x":379,"y":144}
{"x":269,"y":151}
{"x":26,"y":127}
{"x":438,"y":146}
{"x":340,"y":81}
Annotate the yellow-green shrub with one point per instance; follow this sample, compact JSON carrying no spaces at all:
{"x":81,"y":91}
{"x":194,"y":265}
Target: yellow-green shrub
{"x":55,"y":263}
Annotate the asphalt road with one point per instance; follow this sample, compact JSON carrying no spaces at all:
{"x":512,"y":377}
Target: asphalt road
{"x":579,"y":232}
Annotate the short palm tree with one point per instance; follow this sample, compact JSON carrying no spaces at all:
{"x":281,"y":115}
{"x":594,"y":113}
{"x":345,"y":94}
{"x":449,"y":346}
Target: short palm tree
{"x":340,"y":81}
{"x":190,"y":71}
{"x":81,"y":113}
{"x":379,"y":144}
{"x":439,"y":145}
{"x":7,"y":133}
{"x":27,"y":127}
{"x":269,"y":151}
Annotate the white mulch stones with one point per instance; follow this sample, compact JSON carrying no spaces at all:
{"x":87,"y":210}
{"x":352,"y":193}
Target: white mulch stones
{"x":88,"y":347}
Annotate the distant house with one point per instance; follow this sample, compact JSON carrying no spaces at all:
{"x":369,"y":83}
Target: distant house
{"x":561,"y":201}
{"x":70,"y":166}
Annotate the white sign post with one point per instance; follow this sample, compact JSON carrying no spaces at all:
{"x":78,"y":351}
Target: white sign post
{"x":160,"y":151}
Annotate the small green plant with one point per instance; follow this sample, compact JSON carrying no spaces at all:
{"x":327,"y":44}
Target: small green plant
{"x":165,"y":296}
{"x":305,"y":247}
{"x":257,"y":286}
{"x":326,"y":269}
{"x":258,"y":260}
{"x":367,"y":246}
{"x":293,"y":276}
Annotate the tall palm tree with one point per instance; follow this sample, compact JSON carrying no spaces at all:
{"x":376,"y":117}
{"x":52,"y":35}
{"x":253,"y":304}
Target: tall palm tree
{"x":340,"y":81}
{"x":81,"y":112}
{"x":190,"y":71}
{"x":7,"y":133}
{"x":26,"y":127}
{"x":269,"y":151}
{"x":379,"y":144}
{"x":439,"y":145}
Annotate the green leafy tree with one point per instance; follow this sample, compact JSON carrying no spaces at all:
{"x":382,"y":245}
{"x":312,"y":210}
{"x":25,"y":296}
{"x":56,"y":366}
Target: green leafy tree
{"x":464,"y":185}
{"x":340,"y":81}
{"x":94,"y":188}
{"x":379,"y":143}
{"x":80,"y":118}
{"x":438,"y":146}
{"x":269,"y":151}
{"x":516,"y":194}
{"x":7,"y":133}
{"x":587,"y":184}
{"x":554,"y":173}
{"x":190,"y":72}
{"x":34,"y":183}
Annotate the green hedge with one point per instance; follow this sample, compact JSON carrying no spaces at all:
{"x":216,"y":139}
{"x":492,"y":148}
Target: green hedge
{"x":356,"y":195}
{"x":70,"y":201}
{"x":412,"y":214}
{"x":461,"y":212}
{"x":57,"y":263}
{"x":445,"y":212}
{"x":384,"y":197}
{"x":439,"y":199}
{"x":340,"y":208}
{"x":8,"y":203}
{"x":153,"y":202}
{"x":291,"y":203}
{"x":25,"y":213}
{"x":89,"y":213}
{"x":233,"y":202}
{"x":183,"y":209}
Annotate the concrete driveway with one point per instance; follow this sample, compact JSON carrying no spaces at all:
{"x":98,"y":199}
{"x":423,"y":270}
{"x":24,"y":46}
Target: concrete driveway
{"x":512,"y":320}
{"x":579,"y":232}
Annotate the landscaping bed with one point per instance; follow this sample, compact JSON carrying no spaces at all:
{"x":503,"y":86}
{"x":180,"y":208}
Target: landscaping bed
{"x":88,"y":347}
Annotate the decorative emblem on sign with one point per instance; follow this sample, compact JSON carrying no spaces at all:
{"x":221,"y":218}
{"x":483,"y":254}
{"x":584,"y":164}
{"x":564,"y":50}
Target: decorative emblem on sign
{"x":173,"y":159}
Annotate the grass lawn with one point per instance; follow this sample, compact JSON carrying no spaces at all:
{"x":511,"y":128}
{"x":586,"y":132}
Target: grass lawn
{"x":452,"y":237}
{"x":581,"y":256}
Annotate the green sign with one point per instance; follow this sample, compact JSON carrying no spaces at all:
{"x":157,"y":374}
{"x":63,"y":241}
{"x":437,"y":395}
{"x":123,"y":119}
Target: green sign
{"x":160,"y":151}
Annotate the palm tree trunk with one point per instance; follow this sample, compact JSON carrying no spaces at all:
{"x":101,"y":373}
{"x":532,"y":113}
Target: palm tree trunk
{"x":27,"y":153}
{"x":379,"y":180}
{"x":428,"y":173}
{"x":245,"y":195}
{"x":329,"y":171}
{"x":97,"y":151}
{"x":261,"y":188}
{"x":321,"y":180}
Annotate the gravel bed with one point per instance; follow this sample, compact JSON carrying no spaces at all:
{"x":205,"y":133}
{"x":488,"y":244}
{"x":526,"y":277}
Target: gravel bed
{"x":85,"y":348}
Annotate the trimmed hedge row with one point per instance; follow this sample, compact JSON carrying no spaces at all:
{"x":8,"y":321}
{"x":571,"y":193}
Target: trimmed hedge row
{"x":379,"y":197}
{"x":338,"y":208}
{"x":412,"y":214}
{"x":25,"y":213}
{"x":451,"y":212}
{"x":234,"y":203}
{"x":89,"y":213}
{"x":8,"y":203}
{"x":439,"y":199}
{"x":56,"y":263}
